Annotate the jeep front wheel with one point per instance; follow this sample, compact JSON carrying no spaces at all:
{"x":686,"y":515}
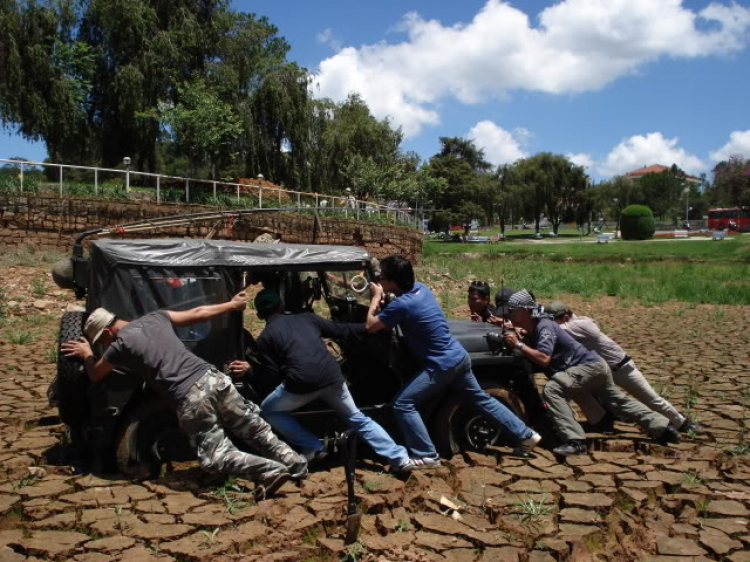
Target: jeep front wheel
{"x":458,"y":427}
{"x":69,"y":389}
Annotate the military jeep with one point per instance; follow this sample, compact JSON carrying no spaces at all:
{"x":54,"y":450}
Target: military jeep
{"x":123,"y":425}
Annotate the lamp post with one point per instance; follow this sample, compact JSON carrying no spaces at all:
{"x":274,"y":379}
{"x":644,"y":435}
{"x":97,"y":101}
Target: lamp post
{"x":616,"y":201}
{"x":260,"y":190}
{"x":126,"y":161}
{"x":686,"y":191}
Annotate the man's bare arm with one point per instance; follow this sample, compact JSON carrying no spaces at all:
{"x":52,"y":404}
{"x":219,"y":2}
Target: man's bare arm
{"x":203,"y":313}
{"x":533,"y":355}
{"x":96,"y":370}
{"x":373,"y":323}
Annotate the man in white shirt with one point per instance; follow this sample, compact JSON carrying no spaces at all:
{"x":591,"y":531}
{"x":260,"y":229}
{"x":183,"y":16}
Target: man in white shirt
{"x":624,"y":371}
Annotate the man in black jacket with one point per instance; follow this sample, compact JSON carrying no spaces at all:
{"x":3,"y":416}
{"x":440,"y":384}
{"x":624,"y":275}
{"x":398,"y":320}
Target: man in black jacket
{"x":292,"y":345}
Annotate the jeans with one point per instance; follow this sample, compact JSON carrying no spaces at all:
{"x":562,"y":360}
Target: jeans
{"x":427,"y":384}
{"x":276,"y":406}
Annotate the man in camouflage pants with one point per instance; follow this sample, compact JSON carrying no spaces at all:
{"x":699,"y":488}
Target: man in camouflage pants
{"x":205,"y":399}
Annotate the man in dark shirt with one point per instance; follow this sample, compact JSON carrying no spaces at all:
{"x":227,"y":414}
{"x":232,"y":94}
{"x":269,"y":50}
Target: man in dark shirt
{"x":574,"y":370}
{"x":292,"y":345}
{"x":479,"y":302}
{"x":205,"y":399}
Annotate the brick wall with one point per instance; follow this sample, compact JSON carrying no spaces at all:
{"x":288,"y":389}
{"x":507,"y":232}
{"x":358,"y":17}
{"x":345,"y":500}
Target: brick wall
{"x":52,"y":221}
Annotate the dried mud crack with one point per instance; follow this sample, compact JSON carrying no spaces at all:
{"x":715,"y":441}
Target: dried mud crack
{"x":628,"y":499}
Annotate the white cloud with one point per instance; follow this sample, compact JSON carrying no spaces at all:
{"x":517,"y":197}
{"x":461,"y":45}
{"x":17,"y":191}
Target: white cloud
{"x":327,"y":37}
{"x":644,"y":150}
{"x":500,"y":146}
{"x":581,"y":159}
{"x":739,"y":144}
{"x":577,"y":46}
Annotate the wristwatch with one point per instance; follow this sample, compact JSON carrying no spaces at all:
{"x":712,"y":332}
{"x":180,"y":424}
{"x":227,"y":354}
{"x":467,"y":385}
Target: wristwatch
{"x":520,"y":345}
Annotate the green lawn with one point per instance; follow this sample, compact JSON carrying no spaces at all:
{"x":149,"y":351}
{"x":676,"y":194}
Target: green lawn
{"x":736,"y":249}
{"x":645,"y":272}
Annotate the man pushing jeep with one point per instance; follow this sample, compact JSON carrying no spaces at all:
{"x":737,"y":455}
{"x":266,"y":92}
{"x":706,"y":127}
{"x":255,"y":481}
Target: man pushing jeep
{"x":204,"y":398}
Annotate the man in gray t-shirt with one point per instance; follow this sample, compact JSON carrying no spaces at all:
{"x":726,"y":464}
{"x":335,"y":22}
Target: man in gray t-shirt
{"x":205,"y":399}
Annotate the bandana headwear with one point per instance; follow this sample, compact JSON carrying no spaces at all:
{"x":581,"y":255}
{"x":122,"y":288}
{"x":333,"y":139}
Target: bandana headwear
{"x":522,"y":299}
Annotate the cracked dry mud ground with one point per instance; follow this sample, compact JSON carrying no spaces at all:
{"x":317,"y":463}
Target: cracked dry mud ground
{"x":628,"y":499}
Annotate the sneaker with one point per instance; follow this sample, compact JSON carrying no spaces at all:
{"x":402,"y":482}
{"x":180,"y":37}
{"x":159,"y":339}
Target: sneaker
{"x":688,"y":425}
{"x":299,"y":469}
{"x":268,"y":484}
{"x":316,"y":457}
{"x":571,"y":448}
{"x":426,"y":463}
{"x":525,"y":447}
{"x":668,"y":435}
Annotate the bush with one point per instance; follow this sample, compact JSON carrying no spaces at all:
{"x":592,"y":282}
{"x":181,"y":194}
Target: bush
{"x":637,"y":223}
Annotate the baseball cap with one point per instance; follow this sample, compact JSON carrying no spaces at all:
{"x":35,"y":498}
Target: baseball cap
{"x":557,"y":309}
{"x":501,"y":300}
{"x":267,"y":301}
{"x":96,"y":322}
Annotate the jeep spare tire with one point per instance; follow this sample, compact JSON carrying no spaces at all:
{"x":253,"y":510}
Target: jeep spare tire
{"x":458,"y":427}
{"x":70,"y":387}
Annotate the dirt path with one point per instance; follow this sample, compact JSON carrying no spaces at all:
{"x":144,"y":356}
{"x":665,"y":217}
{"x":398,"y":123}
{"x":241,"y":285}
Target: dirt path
{"x":628,"y":499}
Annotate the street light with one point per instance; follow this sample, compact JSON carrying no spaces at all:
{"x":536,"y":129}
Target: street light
{"x":615,"y":200}
{"x":126,"y":161}
{"x":260,"y":190}
{"x":686,"y":191}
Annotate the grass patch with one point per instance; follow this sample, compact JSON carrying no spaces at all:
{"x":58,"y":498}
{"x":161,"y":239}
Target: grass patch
{"x":29,"y":255}
{"x":532,"y":509}
{"x":649,"y":283}
{"x":19,"y":337}
{"x":38,"y":287}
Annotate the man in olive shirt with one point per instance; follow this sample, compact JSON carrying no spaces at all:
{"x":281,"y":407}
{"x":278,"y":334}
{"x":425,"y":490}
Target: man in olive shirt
{"x":624,"y":371}
{"x":205,"y":399}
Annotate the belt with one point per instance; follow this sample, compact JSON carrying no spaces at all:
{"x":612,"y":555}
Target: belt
{"x":625,"y":360}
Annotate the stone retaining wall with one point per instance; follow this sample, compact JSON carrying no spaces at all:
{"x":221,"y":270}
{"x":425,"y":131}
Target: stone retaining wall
{"x":50,"y":221}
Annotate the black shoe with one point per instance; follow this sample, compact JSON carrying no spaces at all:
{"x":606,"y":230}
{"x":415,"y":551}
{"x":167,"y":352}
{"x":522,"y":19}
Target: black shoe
{"x":317,"y":457}
{"x":268,"y":484}
{"x":571,"y":448}
{"x":688,"y":425}
{"x":668,"y":435}
{"x":604,"y":425}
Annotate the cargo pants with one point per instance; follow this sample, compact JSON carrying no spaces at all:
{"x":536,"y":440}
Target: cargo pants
{"x":594,"y":378}
{"x":212,"y":405}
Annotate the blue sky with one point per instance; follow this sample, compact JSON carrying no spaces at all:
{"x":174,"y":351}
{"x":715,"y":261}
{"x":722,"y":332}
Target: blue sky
{"x":614,"y":84}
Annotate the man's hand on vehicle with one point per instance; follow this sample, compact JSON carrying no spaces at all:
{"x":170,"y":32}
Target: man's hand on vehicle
{"x":376,"y":290}
{"x":240,"y":300}
{"x":80,"y":348}
{"x":237,"y":368}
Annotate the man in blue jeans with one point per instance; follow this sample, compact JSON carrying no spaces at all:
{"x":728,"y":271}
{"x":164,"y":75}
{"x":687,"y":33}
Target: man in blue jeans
{"x":445,"y":364}
{"x":291,"y":345}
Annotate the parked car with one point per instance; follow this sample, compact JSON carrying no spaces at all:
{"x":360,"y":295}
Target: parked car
{"x":123,"y":425}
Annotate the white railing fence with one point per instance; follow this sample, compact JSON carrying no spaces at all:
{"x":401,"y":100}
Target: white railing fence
{"x":99,"y":181}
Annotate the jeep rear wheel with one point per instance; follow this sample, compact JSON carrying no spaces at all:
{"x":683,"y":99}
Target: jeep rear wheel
{"x":70,"y":387}
{"x":457,"y":427}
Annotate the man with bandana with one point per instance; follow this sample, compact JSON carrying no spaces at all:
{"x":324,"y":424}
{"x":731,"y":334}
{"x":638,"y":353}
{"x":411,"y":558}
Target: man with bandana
{"x":574,"y":370}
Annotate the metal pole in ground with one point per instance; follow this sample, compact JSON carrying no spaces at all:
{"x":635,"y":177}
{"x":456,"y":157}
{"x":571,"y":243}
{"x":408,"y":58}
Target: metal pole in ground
{"x":214,"y":190}
{"x":187,"y":191}
{"x":61,"y":178}
{"x":20,"y":176}
{"x":96,"y":181}
{"x":158,"y":190}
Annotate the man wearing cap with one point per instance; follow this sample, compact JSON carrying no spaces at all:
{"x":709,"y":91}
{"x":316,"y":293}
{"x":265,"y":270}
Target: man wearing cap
{"x":291,"y":345}
{"x":445,"y":363}
{"x":624,"y":372}
{"x":574,"y":370}
{"x":205,"y":399}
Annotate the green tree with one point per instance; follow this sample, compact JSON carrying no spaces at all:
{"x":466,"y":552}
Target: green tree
{"x":662,"y":191}
{"x":203,"y":127}
{"x":731,"y":185}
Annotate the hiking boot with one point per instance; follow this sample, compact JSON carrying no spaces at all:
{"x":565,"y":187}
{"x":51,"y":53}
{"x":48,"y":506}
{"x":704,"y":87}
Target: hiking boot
{"x":571,"y":448}
{"x":668,"y":435}
{"x":688,"y":425}
{"x":525,"y":447}
{"x":269,"y":483}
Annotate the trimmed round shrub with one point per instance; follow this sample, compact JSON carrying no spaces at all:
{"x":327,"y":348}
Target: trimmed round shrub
{"x":637,"y":223}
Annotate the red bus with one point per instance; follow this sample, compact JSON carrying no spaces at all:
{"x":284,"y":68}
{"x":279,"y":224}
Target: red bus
{"x":733,"y":218}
